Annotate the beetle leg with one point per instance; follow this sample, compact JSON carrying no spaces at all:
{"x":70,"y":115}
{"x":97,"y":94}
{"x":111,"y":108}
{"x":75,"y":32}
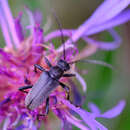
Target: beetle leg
{"x":48,"y":62}
{"x":47,"y":109}
{"x":24,"y":88}
{"x":67,"y":89}
{"x":68,"y":75}
{"x":26,"y":81}
{"x":47,"y":106}
{"x":36,"y":66}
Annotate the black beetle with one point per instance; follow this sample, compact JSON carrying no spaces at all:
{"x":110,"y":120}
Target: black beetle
{"x":49,"y":80}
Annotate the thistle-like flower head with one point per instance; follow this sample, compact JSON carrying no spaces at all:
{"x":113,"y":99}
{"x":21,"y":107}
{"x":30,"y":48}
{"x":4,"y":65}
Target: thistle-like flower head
{"x":21,"y":52}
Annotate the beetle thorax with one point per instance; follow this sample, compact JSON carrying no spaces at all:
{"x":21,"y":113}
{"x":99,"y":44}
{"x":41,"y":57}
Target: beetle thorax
{"x":56,"y":72}
{"x":63,"y":65}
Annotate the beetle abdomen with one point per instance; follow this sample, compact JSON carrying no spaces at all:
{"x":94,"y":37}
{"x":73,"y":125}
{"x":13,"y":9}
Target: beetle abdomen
{"x":40,"y":91}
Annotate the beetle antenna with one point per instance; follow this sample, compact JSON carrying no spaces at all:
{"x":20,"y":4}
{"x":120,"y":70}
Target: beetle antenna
{"x":60,"y":28}
{"x":94,"y":62}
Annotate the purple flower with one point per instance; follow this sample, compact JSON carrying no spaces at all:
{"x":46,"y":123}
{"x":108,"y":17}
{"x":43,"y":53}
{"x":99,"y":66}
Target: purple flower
{"x":89,"y":118}
{"x":22,"y":52}
{"x":101,"y":20}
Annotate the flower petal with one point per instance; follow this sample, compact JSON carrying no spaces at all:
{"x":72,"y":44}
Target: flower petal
{"x":94,"y":109}
{"x":66,"y":126}
{"x":106,"y":45}
{"x":19,"y":28}
{"x":57,"y":33}
{"x":31,"y":18}
{"x":114,"y":7}
{"x":87,"y":117}
{"x":38,"y":35}
{"x":98,"y":18}
{"x":48,"y":24}
{"x":9,"y":18}
{"x":114,"y":111}
{"x":6,"y":123}
{"x":119,"y":19}
{"x":77,"y":97}
{"x":5,"y":31}
{"x":38,"y":17}
{"x":82,"y":81}
{"x":76,"y":123}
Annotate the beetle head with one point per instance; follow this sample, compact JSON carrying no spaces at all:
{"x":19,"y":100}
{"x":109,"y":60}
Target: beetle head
{"x":63,"y":65}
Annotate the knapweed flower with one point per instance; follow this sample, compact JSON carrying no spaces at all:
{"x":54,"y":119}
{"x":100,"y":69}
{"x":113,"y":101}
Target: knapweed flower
{"x":21,"y":52}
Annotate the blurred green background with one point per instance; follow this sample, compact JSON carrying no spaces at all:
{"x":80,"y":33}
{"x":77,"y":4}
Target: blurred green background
{"x":105,"y":87}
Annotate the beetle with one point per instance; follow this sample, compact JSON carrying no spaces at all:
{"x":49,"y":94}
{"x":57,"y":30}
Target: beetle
{"x":49,"y":80}
{"x":46,"y":83}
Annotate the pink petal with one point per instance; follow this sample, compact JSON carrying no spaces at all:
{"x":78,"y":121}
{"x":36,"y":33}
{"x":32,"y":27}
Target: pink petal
{"x":9,"y":18}
{"x":5,"y":31}
{"x":31,"y":19}
{"x":18,"y":27}
{"x":38,"y":17}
